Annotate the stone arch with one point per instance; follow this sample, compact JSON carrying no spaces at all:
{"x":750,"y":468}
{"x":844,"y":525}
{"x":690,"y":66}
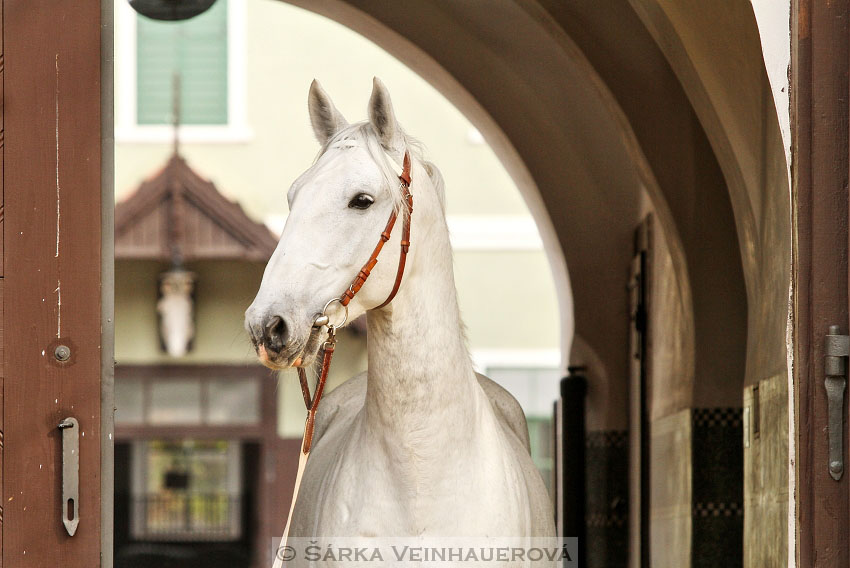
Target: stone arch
{"x":716,"y":55}
{"x":588,"y":172}
{"x":603,"y":116}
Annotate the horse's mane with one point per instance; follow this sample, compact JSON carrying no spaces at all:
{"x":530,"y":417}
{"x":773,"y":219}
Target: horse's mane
{"x":363,"y":134}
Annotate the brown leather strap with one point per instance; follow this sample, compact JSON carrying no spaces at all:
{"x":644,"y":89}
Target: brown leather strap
{"x":405,"y":170}
{"x":305,"y":388}
{"x":361,"y":277}
{"x":405,"y":246}
{"x":366,"y":270}
{"x":313,"y":404}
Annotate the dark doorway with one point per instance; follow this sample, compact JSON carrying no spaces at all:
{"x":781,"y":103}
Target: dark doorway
{"x":185,"y":503}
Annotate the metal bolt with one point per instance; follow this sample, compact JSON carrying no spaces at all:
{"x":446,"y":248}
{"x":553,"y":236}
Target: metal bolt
{"x":835,"y":467}
{"x":62,"y":353}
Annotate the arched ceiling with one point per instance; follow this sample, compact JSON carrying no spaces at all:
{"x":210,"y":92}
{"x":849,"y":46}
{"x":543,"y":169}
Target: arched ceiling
{"x":715,"y":50}
{"x":583,"y":106}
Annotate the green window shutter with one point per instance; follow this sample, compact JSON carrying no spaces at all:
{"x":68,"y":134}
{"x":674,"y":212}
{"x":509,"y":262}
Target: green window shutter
{"x":196,"y":49}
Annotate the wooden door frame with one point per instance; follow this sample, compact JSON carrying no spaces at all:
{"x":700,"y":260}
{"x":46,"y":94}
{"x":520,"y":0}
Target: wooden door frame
{"x":107,"y":279}
{"x":820,"y":56}
{"x":57,"y":134}
{"x":639,"y":287}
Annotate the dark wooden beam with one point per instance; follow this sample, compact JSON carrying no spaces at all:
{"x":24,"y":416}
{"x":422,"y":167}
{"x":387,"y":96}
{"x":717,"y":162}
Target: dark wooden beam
{"x":820,"y":160}
{"x":52,"y":250}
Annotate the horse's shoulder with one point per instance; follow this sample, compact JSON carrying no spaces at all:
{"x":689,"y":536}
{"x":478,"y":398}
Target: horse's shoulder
{"x":340,"y":405}
{"x":506,"y":407}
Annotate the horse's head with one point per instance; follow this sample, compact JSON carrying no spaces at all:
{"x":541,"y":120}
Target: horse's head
{"x":337,"y":210}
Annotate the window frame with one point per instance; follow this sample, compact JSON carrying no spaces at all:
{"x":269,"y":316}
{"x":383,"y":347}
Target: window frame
{"x":140,"y":531}
{"x":483,"y":359}
{"x":127,"y":128}
{"x":265,"y":427}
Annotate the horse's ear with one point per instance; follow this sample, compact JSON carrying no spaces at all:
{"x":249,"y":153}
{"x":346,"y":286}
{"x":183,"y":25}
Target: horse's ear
{"x":382,"y":117}
{"x":326,"y":119}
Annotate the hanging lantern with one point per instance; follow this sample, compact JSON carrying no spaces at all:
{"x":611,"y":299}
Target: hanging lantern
{"x":176,"y":311}
{"x":171,"y":10}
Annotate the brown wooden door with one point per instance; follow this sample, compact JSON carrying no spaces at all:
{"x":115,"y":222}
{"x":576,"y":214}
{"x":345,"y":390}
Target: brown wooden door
{"x":821,"y":167}
{"x":56,"y":213}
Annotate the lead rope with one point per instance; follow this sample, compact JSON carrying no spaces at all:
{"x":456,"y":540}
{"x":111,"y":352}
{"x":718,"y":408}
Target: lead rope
{"x":312,"y":403}
{"x":307,"y":439}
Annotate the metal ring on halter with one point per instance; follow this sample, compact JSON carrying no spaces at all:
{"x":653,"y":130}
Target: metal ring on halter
{"x":323,"y":318}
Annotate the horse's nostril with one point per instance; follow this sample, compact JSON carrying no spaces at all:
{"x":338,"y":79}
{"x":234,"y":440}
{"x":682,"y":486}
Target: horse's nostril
{"x":276,"y":333}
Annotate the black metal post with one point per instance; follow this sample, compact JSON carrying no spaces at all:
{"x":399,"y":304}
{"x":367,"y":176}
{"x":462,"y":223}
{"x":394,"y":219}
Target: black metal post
{"x":573,"y":491}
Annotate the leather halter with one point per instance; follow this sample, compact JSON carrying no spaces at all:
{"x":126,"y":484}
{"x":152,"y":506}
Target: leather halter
{"x":312,"y":403}
{"x":361,"y":277}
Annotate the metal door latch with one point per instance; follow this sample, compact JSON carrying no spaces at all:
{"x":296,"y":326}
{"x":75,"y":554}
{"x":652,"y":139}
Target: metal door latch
{"x":837,"y":349}
{"x":70,"y":474}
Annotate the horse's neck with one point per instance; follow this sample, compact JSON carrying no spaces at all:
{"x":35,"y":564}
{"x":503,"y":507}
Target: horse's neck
{"x":421,"y":388}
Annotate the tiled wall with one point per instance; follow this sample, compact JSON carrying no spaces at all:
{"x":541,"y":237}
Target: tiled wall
{"x":718,"y":492}
{"x":607,"y":504}
{"x":696,"y":492}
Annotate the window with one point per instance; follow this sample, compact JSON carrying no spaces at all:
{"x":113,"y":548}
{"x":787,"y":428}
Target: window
{"x":536,"y":389}
{"x":209,"y":54}
{"x":195,"y":50}
{"x":187,"y":490}
{"x":540,"y":433}
{"x":190,"y":401}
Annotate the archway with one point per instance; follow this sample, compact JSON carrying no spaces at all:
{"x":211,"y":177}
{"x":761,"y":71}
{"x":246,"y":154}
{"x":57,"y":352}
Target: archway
{"x":611,"y":114}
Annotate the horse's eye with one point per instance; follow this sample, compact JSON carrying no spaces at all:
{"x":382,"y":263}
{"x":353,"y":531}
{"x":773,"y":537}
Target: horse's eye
{"x":361,"y":201}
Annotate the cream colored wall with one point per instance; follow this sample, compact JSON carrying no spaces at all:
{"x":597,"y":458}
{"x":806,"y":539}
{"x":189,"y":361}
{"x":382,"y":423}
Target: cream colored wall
{"x":222,"y":292}
{"x":286,"y":49}
{"x":507,"y":300}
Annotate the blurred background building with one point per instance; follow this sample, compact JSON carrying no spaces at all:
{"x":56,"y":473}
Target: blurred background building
{"x":206,"y":439}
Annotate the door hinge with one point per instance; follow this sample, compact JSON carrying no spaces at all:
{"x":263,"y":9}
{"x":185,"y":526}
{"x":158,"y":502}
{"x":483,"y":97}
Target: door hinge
{"x":836,"y":350}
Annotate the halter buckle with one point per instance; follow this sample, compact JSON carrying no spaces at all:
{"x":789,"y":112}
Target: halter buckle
{"x":330,"y":342}
{"x":324,"y":320}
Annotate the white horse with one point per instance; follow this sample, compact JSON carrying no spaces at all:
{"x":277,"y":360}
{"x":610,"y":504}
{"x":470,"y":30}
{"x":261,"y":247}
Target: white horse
{"x":420,"y":444}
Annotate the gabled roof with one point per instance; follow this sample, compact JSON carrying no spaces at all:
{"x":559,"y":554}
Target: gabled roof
{"x":179,"y":215}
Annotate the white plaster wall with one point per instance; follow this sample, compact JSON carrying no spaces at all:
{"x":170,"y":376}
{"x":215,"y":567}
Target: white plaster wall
{"x":774,"y":22}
